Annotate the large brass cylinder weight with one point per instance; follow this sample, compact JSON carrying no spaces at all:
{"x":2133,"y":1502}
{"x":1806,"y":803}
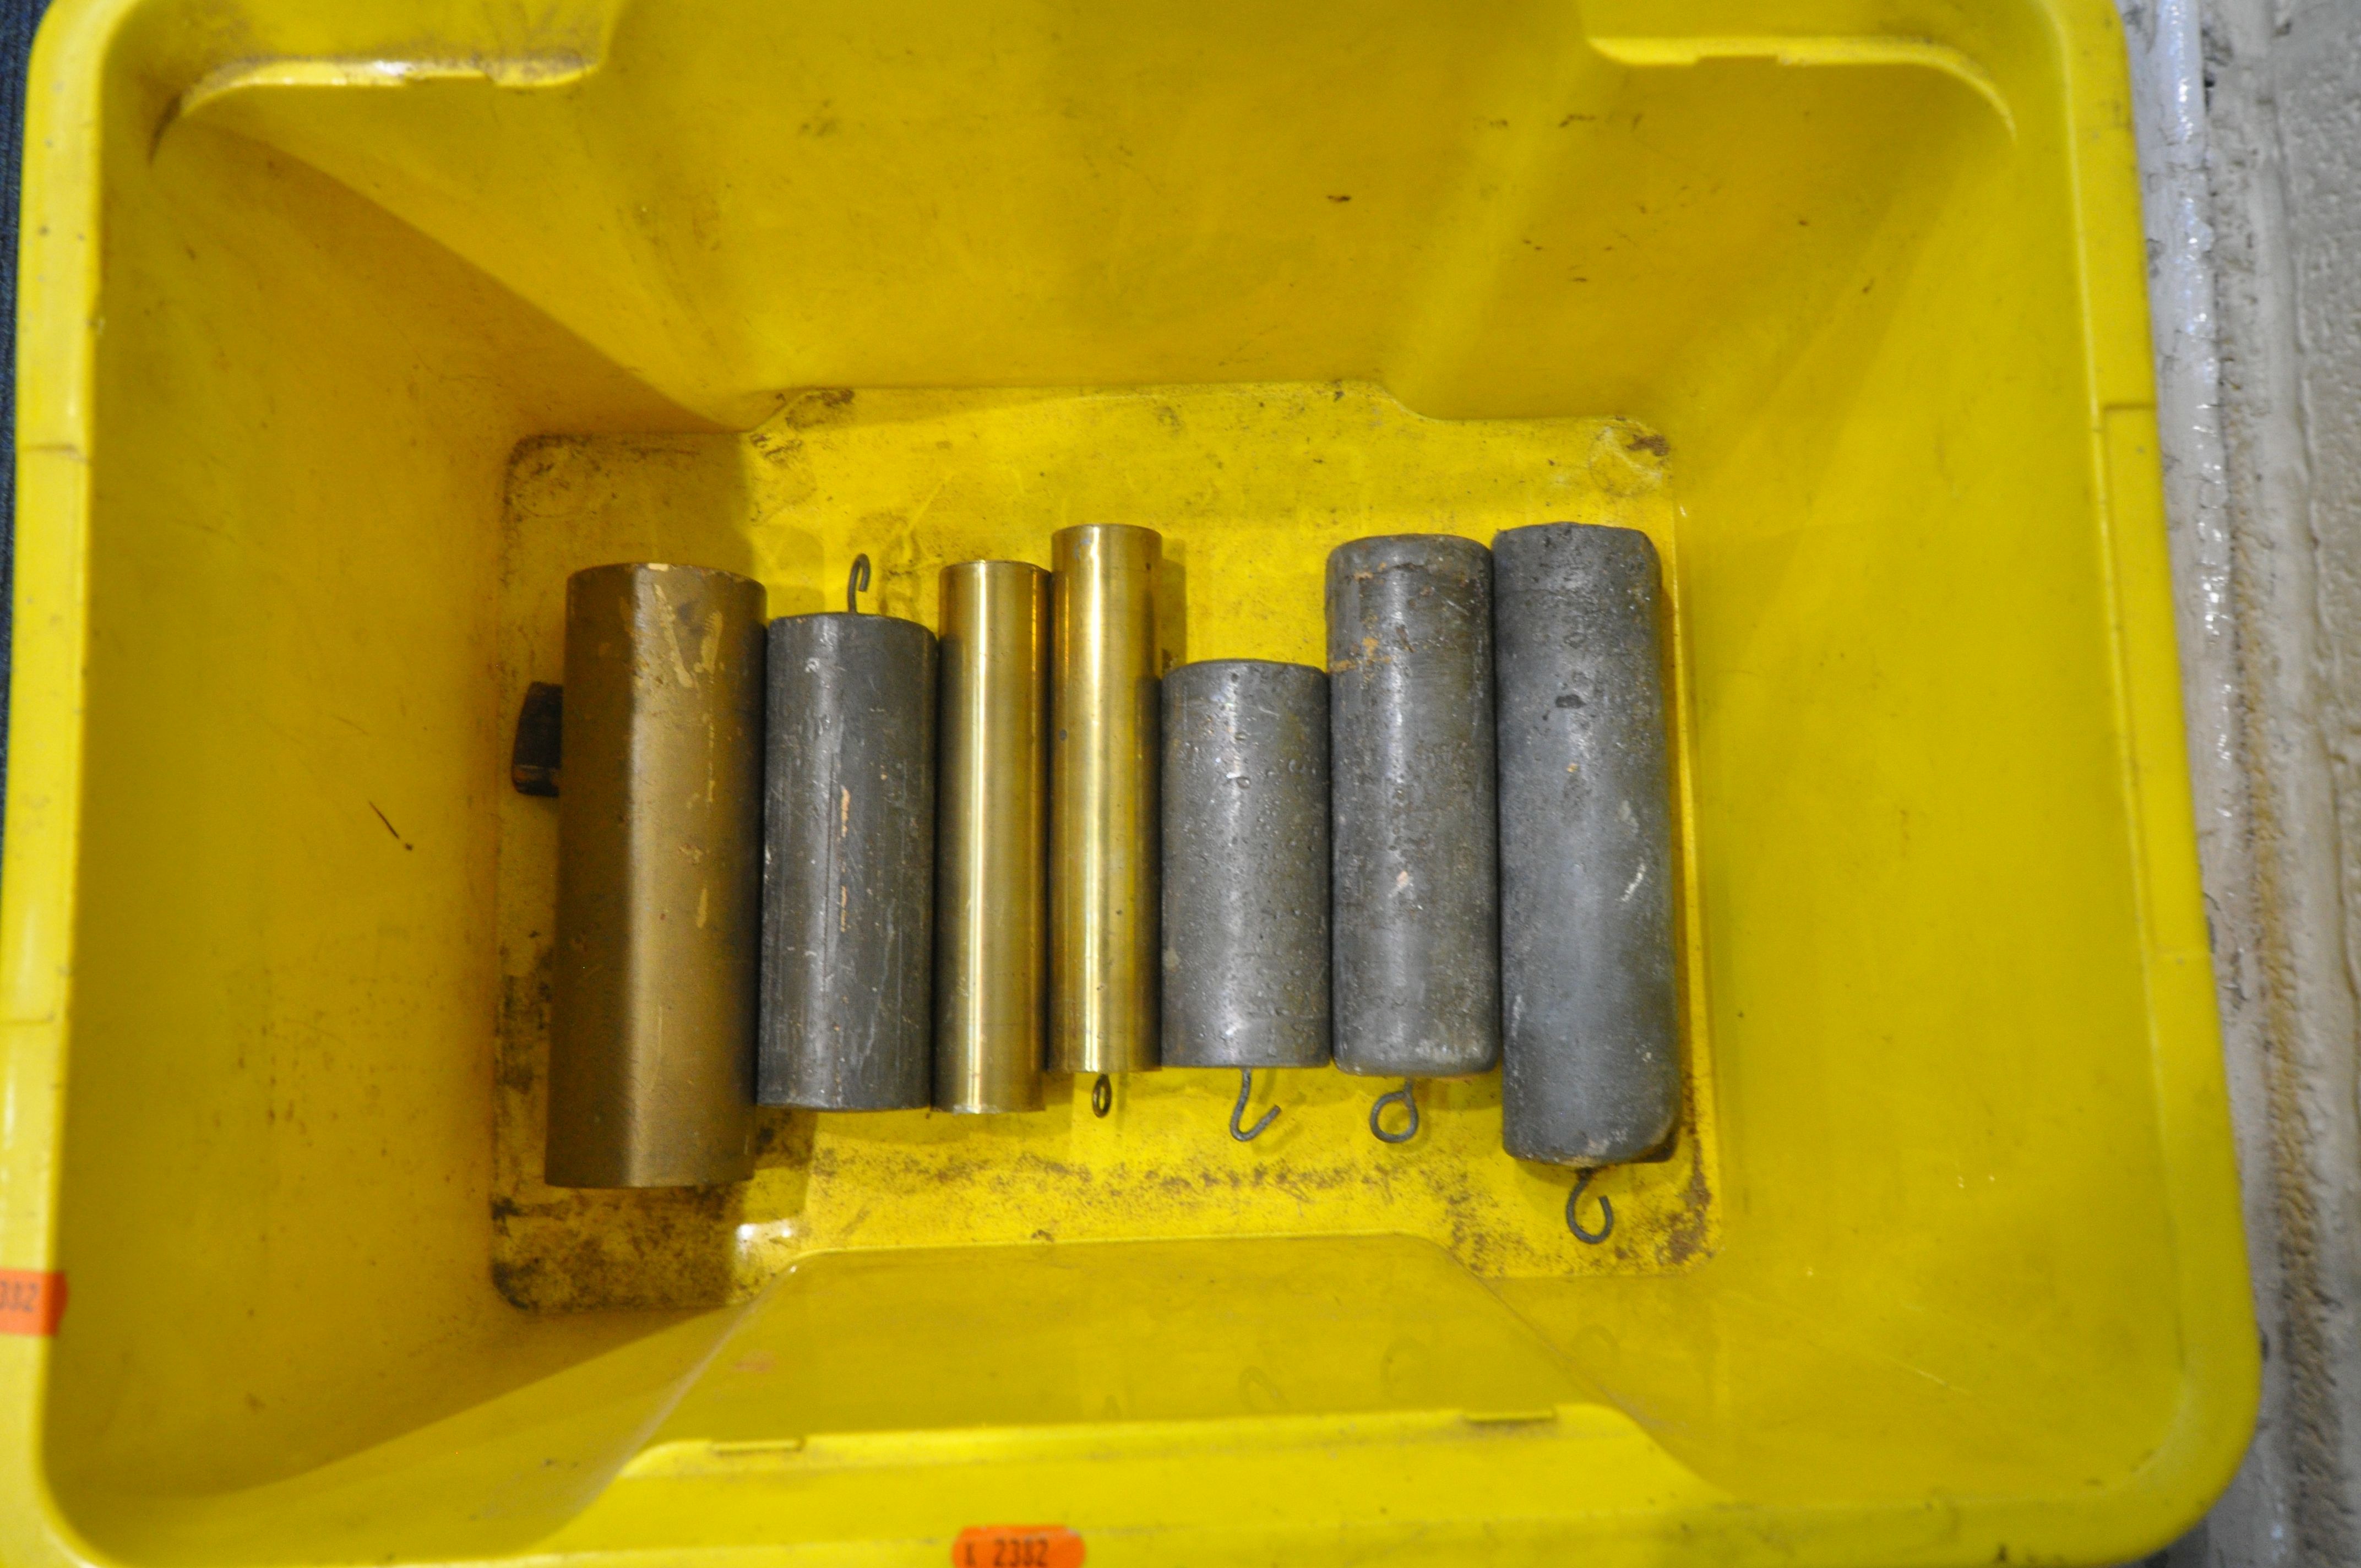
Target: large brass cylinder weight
{"x":1105,"y":758}
{"x":659,"y":880}
{"x":992,"y":832}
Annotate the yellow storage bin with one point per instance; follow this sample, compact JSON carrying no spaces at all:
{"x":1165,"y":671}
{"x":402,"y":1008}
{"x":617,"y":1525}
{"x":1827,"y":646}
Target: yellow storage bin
{"x":349,"y":327}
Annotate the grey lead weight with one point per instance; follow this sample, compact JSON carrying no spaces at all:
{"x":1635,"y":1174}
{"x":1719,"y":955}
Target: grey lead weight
{"x":1415,"y":910}
{"x":848,"y":865}
{"x":1592,"y":1073}
{"x":1246,"y":865}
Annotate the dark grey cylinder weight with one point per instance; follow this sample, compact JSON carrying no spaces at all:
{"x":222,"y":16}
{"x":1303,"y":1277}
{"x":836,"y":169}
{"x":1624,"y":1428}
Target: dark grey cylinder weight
{"x":1246,"y":865}
{"x":1592,"y":1073}
{"x":1415,"y":912}
{"x":848,"y":865}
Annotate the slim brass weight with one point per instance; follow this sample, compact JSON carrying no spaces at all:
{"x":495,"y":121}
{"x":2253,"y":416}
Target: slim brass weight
{"x":1105,"y":757}
{"x":990,"y":897}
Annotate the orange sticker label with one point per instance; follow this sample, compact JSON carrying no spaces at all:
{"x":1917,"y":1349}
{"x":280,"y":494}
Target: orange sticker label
{"x":1016,"y":1546}
{"x":31,"y":1303}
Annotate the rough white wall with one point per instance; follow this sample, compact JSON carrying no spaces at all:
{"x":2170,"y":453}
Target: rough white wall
{"x":2250,"y":125}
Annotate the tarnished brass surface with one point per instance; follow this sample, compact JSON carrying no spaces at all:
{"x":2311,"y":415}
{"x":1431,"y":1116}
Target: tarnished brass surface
{"x":659,"y":881}
{"x":991,"y":901}
{"x":1105,"y":758}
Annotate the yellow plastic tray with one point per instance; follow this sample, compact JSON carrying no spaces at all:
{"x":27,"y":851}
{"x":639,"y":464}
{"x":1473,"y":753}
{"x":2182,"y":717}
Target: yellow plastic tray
{"x":349,"y":327}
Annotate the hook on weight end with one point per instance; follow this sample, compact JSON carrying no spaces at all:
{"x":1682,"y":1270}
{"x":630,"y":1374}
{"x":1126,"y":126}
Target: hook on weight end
{"x":1237,"y":1112}
{"x":1606,"y":1212}
{"x":1407,"y":1097}
{"x":1102,"y":1096}
{"x":855,"y":582}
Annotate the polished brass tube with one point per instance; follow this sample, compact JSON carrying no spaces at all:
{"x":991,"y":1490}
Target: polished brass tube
{"x":1105,"y":758}
{"x":659,"y":879}
{"x":992,"y":794}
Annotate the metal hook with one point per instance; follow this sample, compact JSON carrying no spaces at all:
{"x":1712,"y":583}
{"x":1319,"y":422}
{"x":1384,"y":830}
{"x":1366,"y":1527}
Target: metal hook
{"x":856,"y":584}
{"x":1606,"y":1212}
{"x":1246,"y":1087}
{"x":1102,"y":1096}
{"x":1407,"y":1095}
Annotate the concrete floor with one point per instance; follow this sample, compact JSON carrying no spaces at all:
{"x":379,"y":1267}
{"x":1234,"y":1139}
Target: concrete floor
{"x":2249,"y":118}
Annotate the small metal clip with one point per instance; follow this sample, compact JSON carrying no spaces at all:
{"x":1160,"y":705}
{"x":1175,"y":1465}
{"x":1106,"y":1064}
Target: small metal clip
{"x":1605,"y":1211}
{"x":1102,"y":1096}
{"x":854,"y":584}
{"x":1246,"y":1087}
{"x":1407,"y":1095}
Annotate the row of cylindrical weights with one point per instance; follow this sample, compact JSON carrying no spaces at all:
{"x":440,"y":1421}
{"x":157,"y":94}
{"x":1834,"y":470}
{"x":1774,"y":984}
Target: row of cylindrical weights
{"x":847,"y":864}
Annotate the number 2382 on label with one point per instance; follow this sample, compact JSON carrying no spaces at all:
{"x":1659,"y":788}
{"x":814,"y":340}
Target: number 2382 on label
{"x":1016,"y":1546}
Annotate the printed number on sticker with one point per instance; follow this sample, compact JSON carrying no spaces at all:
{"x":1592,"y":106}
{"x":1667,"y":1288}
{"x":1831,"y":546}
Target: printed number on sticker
{"x":31,"y":1301}
{"x":1018,"y":1546}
